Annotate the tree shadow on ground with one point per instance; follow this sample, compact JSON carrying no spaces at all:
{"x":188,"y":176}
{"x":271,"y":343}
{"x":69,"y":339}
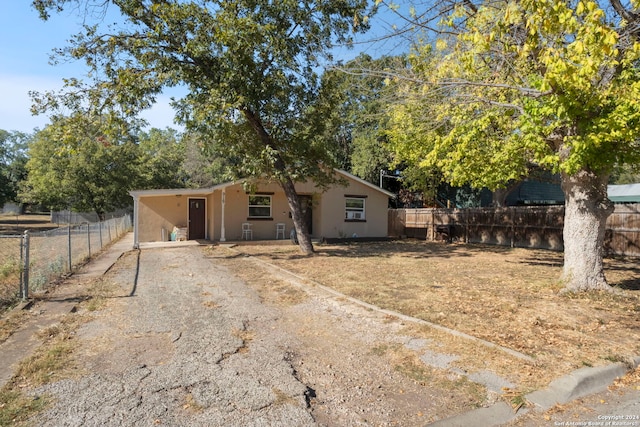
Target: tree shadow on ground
{"x":628,"y":285}
{"x":624,"y":273}
{"x":544,"y":258}
{"x":410,"y":248}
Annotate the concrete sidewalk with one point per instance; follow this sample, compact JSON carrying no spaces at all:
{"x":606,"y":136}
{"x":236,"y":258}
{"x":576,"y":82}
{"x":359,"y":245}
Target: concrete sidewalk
{"x":59,"y":302}
{"x":578,"y":384}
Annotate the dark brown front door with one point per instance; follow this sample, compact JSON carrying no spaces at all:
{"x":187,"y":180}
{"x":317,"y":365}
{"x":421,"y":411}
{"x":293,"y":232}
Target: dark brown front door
{"x":196,"y":219}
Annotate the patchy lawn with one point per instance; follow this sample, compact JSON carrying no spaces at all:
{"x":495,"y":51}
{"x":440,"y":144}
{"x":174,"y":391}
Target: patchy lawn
{"x":506,"y":296}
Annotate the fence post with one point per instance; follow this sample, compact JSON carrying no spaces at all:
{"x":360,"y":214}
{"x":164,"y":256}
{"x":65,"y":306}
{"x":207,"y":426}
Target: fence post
{"x":69,"y":245}
{"x":25,"y":267}
{"x":466,"y":226}
{"x":21,"y":265}
{"x":100,"y":224}
{"x":89,"y":239}
{"x":432,"y":230}
{"x":513,"y":225}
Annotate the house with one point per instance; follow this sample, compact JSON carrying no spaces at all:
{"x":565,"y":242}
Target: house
{"x":625,"y":193}
{"x":226,"y":212}
{"x":536,"y":192}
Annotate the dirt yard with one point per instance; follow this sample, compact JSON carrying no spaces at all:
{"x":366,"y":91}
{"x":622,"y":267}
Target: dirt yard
{"x":17,"y":224}
{"x":510,"y":297}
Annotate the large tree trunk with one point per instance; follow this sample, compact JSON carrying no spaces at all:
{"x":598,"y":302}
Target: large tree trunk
{"x":586,"y":210}
{"x":304,"y":239}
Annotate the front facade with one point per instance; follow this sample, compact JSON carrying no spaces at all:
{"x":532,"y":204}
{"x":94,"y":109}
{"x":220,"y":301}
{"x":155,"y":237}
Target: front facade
{"x":226,"y":212}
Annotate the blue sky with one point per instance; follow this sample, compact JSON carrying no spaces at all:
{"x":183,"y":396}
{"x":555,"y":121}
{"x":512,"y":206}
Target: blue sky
{"x":27,"y":42}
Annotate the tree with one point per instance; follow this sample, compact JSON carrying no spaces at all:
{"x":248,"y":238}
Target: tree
{"x":359,"y":122}
{"x":250,"y":69}
{"x":75,"y":162}
{"x":12,"y":164}
{"x":162,"y":154}
{"x":546,"y":83}
{"x":203,"y":165}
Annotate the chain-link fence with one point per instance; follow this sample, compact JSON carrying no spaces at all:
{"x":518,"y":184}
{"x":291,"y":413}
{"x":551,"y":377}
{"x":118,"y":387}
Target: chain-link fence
{"x":29,"y":262}
{"x":10,"y":269}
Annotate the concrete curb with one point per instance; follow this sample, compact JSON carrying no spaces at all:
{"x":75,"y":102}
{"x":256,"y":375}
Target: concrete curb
{"x":579,"y":383}
{"x":24,"y":305}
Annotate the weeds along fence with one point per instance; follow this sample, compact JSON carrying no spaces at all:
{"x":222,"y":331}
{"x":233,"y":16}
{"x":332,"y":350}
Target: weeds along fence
{"x":518,"y":226}
{"x":29,"y":262}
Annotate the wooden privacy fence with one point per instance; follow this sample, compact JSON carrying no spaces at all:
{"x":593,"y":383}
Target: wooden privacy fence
{"x":516,"y":226}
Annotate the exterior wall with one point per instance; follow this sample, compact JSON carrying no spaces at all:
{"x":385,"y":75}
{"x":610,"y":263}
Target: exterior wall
{"x":237,"y":212}
{"x":165,"y":212}
{"x":158,"y":212}
{"x":328,"y":212}
{"x":331,"y":212}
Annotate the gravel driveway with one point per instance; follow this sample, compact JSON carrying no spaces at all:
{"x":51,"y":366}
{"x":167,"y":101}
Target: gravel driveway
{"x":186,"y":343}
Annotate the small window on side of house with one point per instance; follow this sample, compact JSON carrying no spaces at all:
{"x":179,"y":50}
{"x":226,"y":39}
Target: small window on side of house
{"x":259,"y":206}
{"x":355,"y":209}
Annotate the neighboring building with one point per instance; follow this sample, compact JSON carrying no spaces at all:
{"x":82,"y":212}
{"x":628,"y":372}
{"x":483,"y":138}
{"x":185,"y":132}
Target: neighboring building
{"x":626,"y":193}
{"x":218,"y":213}
{"x":535,"y":192}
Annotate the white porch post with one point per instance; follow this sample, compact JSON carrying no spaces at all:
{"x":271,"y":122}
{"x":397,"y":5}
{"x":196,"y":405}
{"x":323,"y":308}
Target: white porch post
{"x":136,"y":243}
{"x":222,"y":231}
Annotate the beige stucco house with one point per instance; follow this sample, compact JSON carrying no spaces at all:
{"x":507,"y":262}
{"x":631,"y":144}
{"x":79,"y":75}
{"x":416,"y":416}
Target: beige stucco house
{"x":226,"y":212}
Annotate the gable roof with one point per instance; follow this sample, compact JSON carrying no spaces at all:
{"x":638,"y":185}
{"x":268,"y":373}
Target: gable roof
{"x":209,"y":190}
{"x":363,"y":182}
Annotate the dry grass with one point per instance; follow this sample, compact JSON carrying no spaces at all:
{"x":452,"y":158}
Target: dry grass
{"x":11,"y":225}
{"x":506,"y":296}
{"x":50,"y":362}
{"x":271,"y":289}
{"x":17,"y":224}
{"x":409,"y":364}
{"x":9,"y":271}
{"x":10,"y":322}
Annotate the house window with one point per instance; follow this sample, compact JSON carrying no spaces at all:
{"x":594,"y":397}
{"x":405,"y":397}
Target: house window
{"x":260,"y":206}
{"x":355,"y":209}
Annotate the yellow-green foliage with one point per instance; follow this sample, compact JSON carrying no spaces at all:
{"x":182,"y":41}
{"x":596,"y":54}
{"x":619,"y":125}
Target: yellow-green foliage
{"x":544,"y":82}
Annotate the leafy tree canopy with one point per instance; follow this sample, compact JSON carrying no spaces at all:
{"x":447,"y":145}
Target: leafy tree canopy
{"x":161,"y":158}
{"x":359,"y":121}
{"x":551,"y":82}
{"x":250,"y":70}
{"x":76,"y":163}
{"x":12,"y":164}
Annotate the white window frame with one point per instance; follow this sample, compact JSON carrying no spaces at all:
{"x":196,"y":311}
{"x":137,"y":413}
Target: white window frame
{"x":250,"y":206}
{"x":354,"y":213}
